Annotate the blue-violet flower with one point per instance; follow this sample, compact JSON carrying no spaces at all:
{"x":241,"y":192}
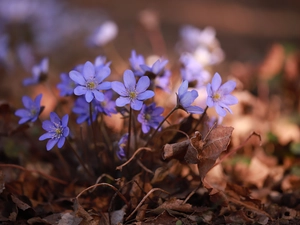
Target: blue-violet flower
{"x":132,"y":92}
{"x":150,"y":116}
{"x":31,"y":111}
{"x":122,"y":145}
{"x":57,"y":130}
{"x":135,"y":62}
{"x":185,"y":98}
{"x":90,"y":81}
{"x":82,"y":108}
{"x":107,"y":106}
{"x":39,"y":73}
{"x":66,"y":86}
{"x":219,"y":96}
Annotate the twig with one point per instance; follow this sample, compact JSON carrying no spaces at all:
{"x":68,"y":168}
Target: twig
{"x":132,"y":157}
{"x":35,"y":171}
{"x":100,"y":178}
{"x":145,"y":197}
{"x":104,"y":184}
{"x":144,"y":167}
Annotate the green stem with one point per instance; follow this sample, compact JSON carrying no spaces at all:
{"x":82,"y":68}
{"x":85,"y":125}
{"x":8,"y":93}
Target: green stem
{"x":161,"y":123}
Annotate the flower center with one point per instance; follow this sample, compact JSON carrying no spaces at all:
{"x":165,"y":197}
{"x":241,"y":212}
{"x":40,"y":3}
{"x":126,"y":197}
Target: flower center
{"x":33,"y":112}
{"x":58,"y":132}
{"x":132,"y":95}
{"x":217,"y":97}
{"x":147,"y":116}
{"x":91,"y":85}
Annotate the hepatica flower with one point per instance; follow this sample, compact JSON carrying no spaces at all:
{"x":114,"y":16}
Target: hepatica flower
{"x":39,"y":73}
{"x":107,"y":106}
{"x":135,"y":62}
{"x":105,"y":33}
{"x":185,"y":98}
{"x":219,"y":95}
{"x":122,"y":145}
{"x":90,"y":81}
{"x":57,"y":130}
{"x":82,"y":108}
{"x":66,"y":86}
{"x":157,"y":69}
{"x":131,"y":92}
{"x":150,"y":116}
{"x":31,"y":111}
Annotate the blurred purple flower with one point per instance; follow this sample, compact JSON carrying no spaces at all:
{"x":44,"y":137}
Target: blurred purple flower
{"x":31,"y":111}
{"x":82,"y":108}
{"x":185,"y":98}
{"x":107,"y":106}
{"x":135,"y":62}
{"x":122,"y":145}
{"x":66,"y":86}
{"x":103,"y":34}
{"x":57,"y":130}
{"x":150,"y":116}
{"x":101,"y":62}
{"x":219,"y":96}
{"x":193,"y":71}
{"x":39,"y":73}
{"x":90,"y":81}
{"x":132,"y":92}
{"x":157,"y":69}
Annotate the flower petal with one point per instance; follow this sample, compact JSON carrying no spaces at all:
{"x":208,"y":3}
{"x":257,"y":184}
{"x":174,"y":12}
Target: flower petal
{"x":227,"y":87}
{"x":129,"y":80}
{"x":80,"y":90}
{"x":194,"y":109}
{"x":122,"y":101}
{"x":102,"y":73}
{"x":88,"y":70}
{"x":106,"y":85}
{"x":27,"y":102}
{"x":61,"y":142}
{"x":119,"y":88}
{"x":221,"y":111}
{"x":64,"y":120}
{"x":229,"y":100}
{"x":48,"y":125}
{"x":89,"y":96}
{"x":209,"y":101}
{"x":77,"y":77}
{"x":45,"y":136}
{"x":136,"y":104}
{"x":54,"y":118}
{"x":183,"y":88}
{"x":145,"y":95}
{"x":142,"y":84}
{"x":98,"y":95}
{"x":22,"y":113}
{"x":66,"y":132}
{"x":37,"y":100}
{"x":216,"y":82}
{"x":51,"y":143}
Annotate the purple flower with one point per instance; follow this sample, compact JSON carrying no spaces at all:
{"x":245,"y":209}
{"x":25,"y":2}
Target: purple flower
{"x":157,"y":69}
{"x":103,"y":34}
{"x":193,"y":71}
{"x":100,"y":62}
{"x":219,"y":96}
{"x":66,"y":86}
{"x":107,"y":106}
{"x":31,"y":111}
{"x":132,"y":92}
{"x":39,"y":73}
{"x":150,"y":116}
{"x":185,"y":98}
{"x":82,"y":108}
{"x":122,"y":145}
{"x":90,"y":81}
{"x":57,"y":130}
{"x":135,"y":62}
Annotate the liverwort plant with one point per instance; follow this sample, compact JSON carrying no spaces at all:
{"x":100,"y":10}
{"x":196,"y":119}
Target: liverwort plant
{"x":91,"y":81}
{"x":219,"y":95}
{"x":57,"y":130}
{"x":32,"y":109}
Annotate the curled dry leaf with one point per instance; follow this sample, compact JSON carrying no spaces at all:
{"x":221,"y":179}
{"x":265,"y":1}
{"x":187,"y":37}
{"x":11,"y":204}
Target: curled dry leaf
{"x":205,"y":152}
